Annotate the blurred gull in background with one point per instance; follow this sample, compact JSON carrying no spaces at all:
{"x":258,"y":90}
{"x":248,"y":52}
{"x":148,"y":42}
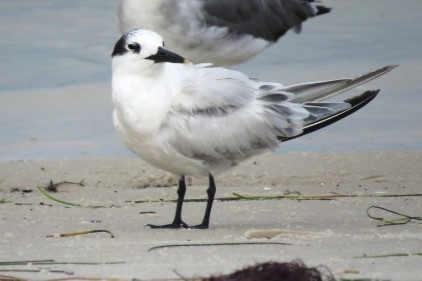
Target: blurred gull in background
{"x":222,"y":32}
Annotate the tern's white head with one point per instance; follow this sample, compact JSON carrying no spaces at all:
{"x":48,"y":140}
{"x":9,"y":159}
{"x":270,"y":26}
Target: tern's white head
{"x":142,"y":48}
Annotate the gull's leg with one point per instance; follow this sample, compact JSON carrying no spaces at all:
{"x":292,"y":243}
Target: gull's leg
{"x":211,"y":193}
{"x":177,"y":222}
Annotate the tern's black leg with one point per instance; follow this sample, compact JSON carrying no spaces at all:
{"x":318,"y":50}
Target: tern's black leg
{"x":177,"y":222}
{"x":211,"y":193}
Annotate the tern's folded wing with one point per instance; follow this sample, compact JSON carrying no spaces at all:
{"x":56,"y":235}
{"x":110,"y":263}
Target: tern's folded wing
{"x":221,"y":115}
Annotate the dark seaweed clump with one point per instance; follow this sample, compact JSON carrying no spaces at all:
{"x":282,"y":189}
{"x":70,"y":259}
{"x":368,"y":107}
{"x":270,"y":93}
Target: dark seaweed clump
{"x":271,"y":271}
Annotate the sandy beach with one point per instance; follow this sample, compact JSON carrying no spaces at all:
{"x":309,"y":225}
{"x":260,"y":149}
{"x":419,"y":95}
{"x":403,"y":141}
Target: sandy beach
{"x":307,"y":201}
{"x":115,"y":195}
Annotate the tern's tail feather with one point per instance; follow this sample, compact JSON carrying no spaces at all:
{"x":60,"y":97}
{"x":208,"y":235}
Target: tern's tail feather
{"x":318,"y":91}
{"x":353,"y":104}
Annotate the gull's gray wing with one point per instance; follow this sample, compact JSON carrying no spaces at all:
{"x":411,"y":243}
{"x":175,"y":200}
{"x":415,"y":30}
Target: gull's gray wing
{"x":267,"y":19}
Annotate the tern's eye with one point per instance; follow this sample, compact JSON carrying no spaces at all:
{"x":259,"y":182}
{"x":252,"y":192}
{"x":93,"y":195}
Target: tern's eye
{"x":134,"y":47}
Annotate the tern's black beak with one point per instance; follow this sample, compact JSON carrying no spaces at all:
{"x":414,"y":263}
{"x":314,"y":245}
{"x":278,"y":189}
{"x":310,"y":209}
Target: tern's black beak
{"x":164,"y":55}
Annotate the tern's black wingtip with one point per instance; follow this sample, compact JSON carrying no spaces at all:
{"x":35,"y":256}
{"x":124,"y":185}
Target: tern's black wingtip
{"x":391,"y":67}
{"x":356,"y":103}
{"x":362,"y":99}
{"x":321,"y":10}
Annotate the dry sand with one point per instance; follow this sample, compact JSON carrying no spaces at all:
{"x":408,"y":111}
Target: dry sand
{"x":335,"y":233}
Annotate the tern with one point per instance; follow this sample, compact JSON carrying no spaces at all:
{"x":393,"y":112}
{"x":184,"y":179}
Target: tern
{"x":200,"y":120}
{"x":222,"y":32}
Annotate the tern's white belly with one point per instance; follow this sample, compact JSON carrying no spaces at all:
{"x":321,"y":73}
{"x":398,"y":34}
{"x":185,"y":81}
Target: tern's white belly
{"x":157,"y":152}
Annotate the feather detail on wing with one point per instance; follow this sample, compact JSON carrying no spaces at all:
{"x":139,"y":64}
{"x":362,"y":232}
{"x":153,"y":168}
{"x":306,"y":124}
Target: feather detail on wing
{"x":222,"y":116}
{"x":228,"y":117}
{"x":323,"y":114}
{"x":318,"y":91}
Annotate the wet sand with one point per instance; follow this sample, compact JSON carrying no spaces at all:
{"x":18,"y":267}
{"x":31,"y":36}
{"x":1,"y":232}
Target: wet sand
{"x":55,"y":74}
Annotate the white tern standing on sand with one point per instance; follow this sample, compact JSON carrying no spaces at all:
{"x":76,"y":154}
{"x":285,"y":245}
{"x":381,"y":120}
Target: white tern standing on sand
{"x":200,"y":120}
{"x":223,"y":32}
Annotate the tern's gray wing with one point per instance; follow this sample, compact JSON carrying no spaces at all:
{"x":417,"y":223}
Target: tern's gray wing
{"x":267,"y":19}
{"x":221,"y":117}
{"x":352,"y":105}
{"x":323,"y":114}
{"x":318,"y":91}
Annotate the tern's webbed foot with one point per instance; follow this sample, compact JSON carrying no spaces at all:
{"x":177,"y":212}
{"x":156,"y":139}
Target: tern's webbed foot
{"x":177,"y":225}
{"x":200,"y":226}
{"x":173,"y":225}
